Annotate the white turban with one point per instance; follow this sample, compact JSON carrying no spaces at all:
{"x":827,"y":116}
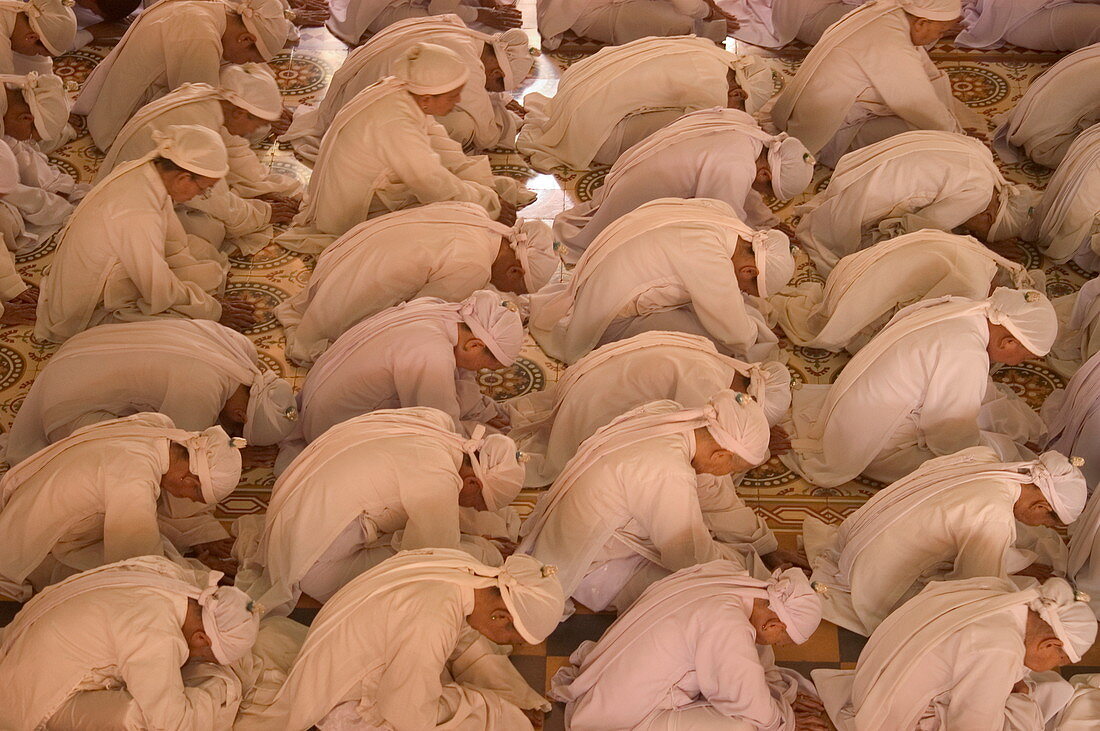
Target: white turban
{"x":738,"y":424}
{"x":252,"y":88}
{"x":754,"y":76}
{"x":1017,"y":203}
{"x":793,"y":599}
{"x":932,"y":9}
{"x":9,"y":170}
{"x":265,"y":19}
{"x":514,"y":55}
{"x":495,"y":322}
{"x":533,"y":595}
{"x":495,"y":460}
{"x":428,"y":69}
{"x":272,"y":410}
{"x":1068,"y":614}
{"x":791,"y":165}
{"x":1028,"y":315}
{"x":53,"y":21}
{"x":215,"y":458}
{"x":1062,"y":484}
{"x":230,"y":620}
{"x":199,"y":150}
{"x":772,"y":251}
{"x":533,"y":244}
{"x":770,"y":386}
{"x":45,"y":95}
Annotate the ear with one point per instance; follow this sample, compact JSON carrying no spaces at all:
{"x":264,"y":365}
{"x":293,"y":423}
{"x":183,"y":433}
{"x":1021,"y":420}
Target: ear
{"x":723,"y":455}
{"x":748,"y":271}
{"x":470,"y":482}
{"x":239,"y":414}
{"x":199,"y":638}
{"x":764,"y":175}
{"x":516,"y":270}
{"x":473,"y":344}
{"x":246,"y":39}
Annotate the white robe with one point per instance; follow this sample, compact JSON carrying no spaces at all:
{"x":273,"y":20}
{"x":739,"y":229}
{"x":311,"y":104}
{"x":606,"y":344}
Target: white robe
{"x":1059,"y":105}
{"x":617,"y":22}
{"x":171,"y":44}
{"x":665,"y":266}
{"x":1045,"y":25}
{"x":109,"y":638}
{"x":701,"y":155}
{"x":872,"y":564}
{"x":410,"y":365}
{"x":861,"y":72}
{"x":775,"y":23}
{"x":633,"y":516}
{"x":909,"y":182}
{"x":232,"y":203}
{"x":382,"y":154}
{"x":443,"y":250}
{"x":45,"y":195}
{"x":608,"y":102}
{"x":355,"y":479}
{"x":1066,"y":225}
{"x":124,"y":256}
{"x":920,"y":394}
{"x":351,"y":20}
{"x":868,"y":287}
{"x":1082,"y":713}
{"x":479,"y":121}
{"x":404,"y":659}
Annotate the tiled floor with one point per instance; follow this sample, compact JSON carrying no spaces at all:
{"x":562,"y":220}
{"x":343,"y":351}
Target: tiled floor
{"x":988,"y":84}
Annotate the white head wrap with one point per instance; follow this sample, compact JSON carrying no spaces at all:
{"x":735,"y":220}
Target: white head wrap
{"x":755,"y":77}
{"x":497,"y":464}
{"x":770,"y":386}
{"x":45,"y":95}
{"x":429,"y":69}
{"x":1017,"y":203}
{"x":772,"y":251}
{"x":495,"y":322}
{"x":1068,"y":615}
{"x":1062,"y":484}
{"x":53,"y":21}
{"x":215,"y":458}
{"x":1027,"y":314}
{"x":932,"y":9}
{"x":229,"y":618}
{"x":252,"y":87}
{"x":533,"y":244}
{"x":515,"y":56}
{"x":272,"y":410}
{"x":9,"y":170}
{"x":793,"y":599}
{"x":265,"y":19}
{"x":791,"y":165}
{"x":199,"y":150}
{"x":533,"y":595}
{"x":738,"y":424}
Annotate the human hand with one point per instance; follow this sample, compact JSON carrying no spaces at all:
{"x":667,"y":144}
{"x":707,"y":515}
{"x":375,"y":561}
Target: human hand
{"x":279,"y":126}
{"x":517,"y":108}
{"x":1039,"y":571}
{"x":716,"y":13}
{"x":107,"y":33}
{"x":499,"y":422}
{"x":500,"y":17}
{"x":781,"y":559}
{"x":283,"y":209}
{"x":18,"y":313}
{"x":237,"y":314}
{"x":779,"y":441}
{"x":221,"y":548}
{"x":806,"y":703}
{"x":507,"y":213}
{"x":536,"y":717}
{"x":1021,"y":687}
{"x":505,"y":546}
{"x":811,"y":722}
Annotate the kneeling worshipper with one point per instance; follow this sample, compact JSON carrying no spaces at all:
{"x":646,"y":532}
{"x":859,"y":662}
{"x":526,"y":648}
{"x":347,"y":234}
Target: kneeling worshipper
{"x":94,"y":497}
{"x":199,"y":374}
{"x":420,"y":353}
{"x":1060,"y":104}
{"x":626,"y":510}
{"x":369,"y":487}
{"x":443,"y":250}
{"x":240,"y":208}
{"x":124,"y":255}
{"x":921,"y":389}
{"x":713,"y":153}
{"x":1044,"y":25}
{"x":968,"y":506}
{"x":775,"y":24}
{"x":497,"y":65}
{"x":35,"y":114}
{"x":111,"y":648}
{"x":549,"y":425}
{"x":970,"y":654}
{"x":384,"y":152}
{"x":1066,"y":223}
{"x":172,"y":44}
{"x":1071,"y":415}
{"x":695,"y":651}
{"x":17,"y":300}
{"x":393,"y":648}
{"x":909,"y":182}
{"x":1078,"y":328}
{"x":671,"y":264}
{"x":615,"y":22}
{"x":355,"y":21}
{"x":869,"y":78}
{"x":868,"y":287}
{"x":610,"y":101}
{"x":32,"y":31}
